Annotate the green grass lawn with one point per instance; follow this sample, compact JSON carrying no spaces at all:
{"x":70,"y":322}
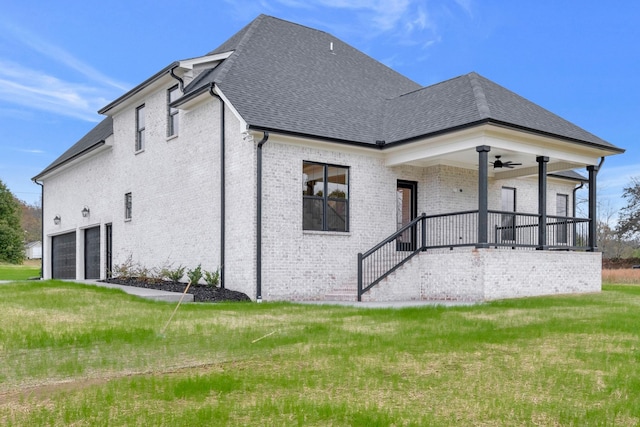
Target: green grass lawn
{"x":28,"y":270}
{"x":79,"y":355}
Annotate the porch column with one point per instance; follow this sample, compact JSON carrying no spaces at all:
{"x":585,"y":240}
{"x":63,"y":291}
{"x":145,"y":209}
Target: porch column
{"x":593,"y":221}
{"x":542,"y":202}
{"x":483,"y":196}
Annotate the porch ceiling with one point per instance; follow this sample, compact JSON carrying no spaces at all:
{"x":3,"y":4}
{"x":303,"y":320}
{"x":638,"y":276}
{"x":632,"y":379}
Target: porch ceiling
{"x":459,"y":150}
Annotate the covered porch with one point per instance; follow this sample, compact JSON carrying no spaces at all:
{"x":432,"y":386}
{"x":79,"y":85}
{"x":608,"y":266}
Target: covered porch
{"x":490,"y":248}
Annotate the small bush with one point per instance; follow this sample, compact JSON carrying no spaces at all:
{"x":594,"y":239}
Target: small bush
{"x":212,"y":278}
{"x":173,"y":274}
{"x":127,"y":269}
{"x":195,"y":275}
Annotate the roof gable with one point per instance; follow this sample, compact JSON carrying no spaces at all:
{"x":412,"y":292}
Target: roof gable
{"x":96,"y":137}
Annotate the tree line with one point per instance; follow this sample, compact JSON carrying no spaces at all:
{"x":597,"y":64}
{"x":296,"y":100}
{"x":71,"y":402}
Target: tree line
{"x":20,"y":223}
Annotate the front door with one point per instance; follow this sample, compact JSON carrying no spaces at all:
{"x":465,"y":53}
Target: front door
{"x":92,"y":253}
{"x":406,"y":211}
{"x":109,"y":250}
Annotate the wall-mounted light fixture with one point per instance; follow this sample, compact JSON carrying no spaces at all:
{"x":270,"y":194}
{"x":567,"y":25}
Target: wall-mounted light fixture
{"x":56,"y":219}
{"x":85,"y":211}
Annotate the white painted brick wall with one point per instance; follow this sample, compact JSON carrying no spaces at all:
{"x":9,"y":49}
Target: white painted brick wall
{"x":175,"y":184}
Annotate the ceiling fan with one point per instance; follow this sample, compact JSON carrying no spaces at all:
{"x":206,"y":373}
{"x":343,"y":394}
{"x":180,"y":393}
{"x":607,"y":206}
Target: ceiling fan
{"x":498,"y":164}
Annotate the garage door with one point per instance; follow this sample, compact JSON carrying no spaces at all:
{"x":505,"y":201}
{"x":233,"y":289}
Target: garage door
{"x":92,"y":253}
{"x":63,"y":256}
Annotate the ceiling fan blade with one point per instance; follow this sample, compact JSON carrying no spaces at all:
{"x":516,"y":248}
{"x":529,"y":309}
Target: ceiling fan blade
{"x":510,"y":165}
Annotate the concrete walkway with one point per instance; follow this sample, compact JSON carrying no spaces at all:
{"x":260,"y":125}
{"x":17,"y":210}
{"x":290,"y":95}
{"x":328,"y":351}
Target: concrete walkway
{"x":153,"y":294}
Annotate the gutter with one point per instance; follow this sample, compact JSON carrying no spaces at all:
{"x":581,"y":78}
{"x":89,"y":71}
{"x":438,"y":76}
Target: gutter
{"x":264,"y":139}
{"x":573,"y":212}
{"x":177,"y":78}
{"x":222,"y":184}
{"x":52,"y":167}
{"x":506,"y":125}
{"x":140,"y":87}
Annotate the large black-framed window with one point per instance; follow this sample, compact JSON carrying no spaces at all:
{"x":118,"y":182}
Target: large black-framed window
{"x":140,"y":127}
{"x":325,"y":197}
{"x":172,"y":113}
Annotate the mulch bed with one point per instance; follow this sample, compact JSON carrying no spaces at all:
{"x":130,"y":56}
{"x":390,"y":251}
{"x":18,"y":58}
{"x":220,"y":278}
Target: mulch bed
{"x":201,"y":293}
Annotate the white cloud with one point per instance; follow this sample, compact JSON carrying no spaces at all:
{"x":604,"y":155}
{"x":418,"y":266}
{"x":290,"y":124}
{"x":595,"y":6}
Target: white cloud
{"x":466,"y":6}
{"x":63,"y":57}
{"x":617,"y":177}
{"x":34,"y":89}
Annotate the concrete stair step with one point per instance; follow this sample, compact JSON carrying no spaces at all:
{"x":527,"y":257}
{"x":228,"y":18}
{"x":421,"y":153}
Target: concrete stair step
{"x":344,"y":293}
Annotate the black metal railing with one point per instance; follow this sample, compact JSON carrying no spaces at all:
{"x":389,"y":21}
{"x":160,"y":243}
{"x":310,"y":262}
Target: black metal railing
{"x":509,"y":229}
{"x":388,"y":255}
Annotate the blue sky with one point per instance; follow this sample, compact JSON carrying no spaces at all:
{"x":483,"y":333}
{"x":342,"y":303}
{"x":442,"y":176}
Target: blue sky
{"x":62,"y":61}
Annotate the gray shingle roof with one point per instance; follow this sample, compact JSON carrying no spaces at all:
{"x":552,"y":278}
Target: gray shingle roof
{"x":471,"y":99}
{"x":93,"y":139}
{"x":283,"y":76}
{"x":294,"y":79}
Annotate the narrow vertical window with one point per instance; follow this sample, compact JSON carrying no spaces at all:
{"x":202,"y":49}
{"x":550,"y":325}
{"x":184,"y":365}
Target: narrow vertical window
{"x":127,"y":206}
{"x":325,"y":197}
{"x":562,"y":211}
{"x":508,"y":220}
{"x":172,"y":113}
{"x":140,"y":126}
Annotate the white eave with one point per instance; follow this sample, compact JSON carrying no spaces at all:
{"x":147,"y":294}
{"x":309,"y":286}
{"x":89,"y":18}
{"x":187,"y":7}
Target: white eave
{"x":458,"y":149}
{"x":207,"y":61}
{"x":161,"y":78}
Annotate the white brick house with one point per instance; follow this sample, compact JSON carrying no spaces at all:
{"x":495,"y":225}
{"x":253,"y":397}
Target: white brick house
{"x":281,"y":165}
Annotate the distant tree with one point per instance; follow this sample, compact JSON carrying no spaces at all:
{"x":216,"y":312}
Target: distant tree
{"x":629,"y":222}
{"x":31,"y":220}
{"x":11,"y":234}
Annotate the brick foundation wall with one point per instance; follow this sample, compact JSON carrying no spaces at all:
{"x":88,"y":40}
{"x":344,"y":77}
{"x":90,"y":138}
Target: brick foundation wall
{"x":467,"y":274}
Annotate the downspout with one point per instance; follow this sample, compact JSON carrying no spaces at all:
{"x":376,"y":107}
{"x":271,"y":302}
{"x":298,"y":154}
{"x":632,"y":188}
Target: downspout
{"x":259,"y":219}
{"x":41,"y":227}
{"x":573,"y":212}
{"x":177,"y":78}
{"x":222,"y":185}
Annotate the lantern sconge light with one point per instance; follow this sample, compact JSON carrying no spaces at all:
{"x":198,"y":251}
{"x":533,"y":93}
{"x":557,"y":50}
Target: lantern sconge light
{"x":85,"y":212}
{"x":56,"y":219}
